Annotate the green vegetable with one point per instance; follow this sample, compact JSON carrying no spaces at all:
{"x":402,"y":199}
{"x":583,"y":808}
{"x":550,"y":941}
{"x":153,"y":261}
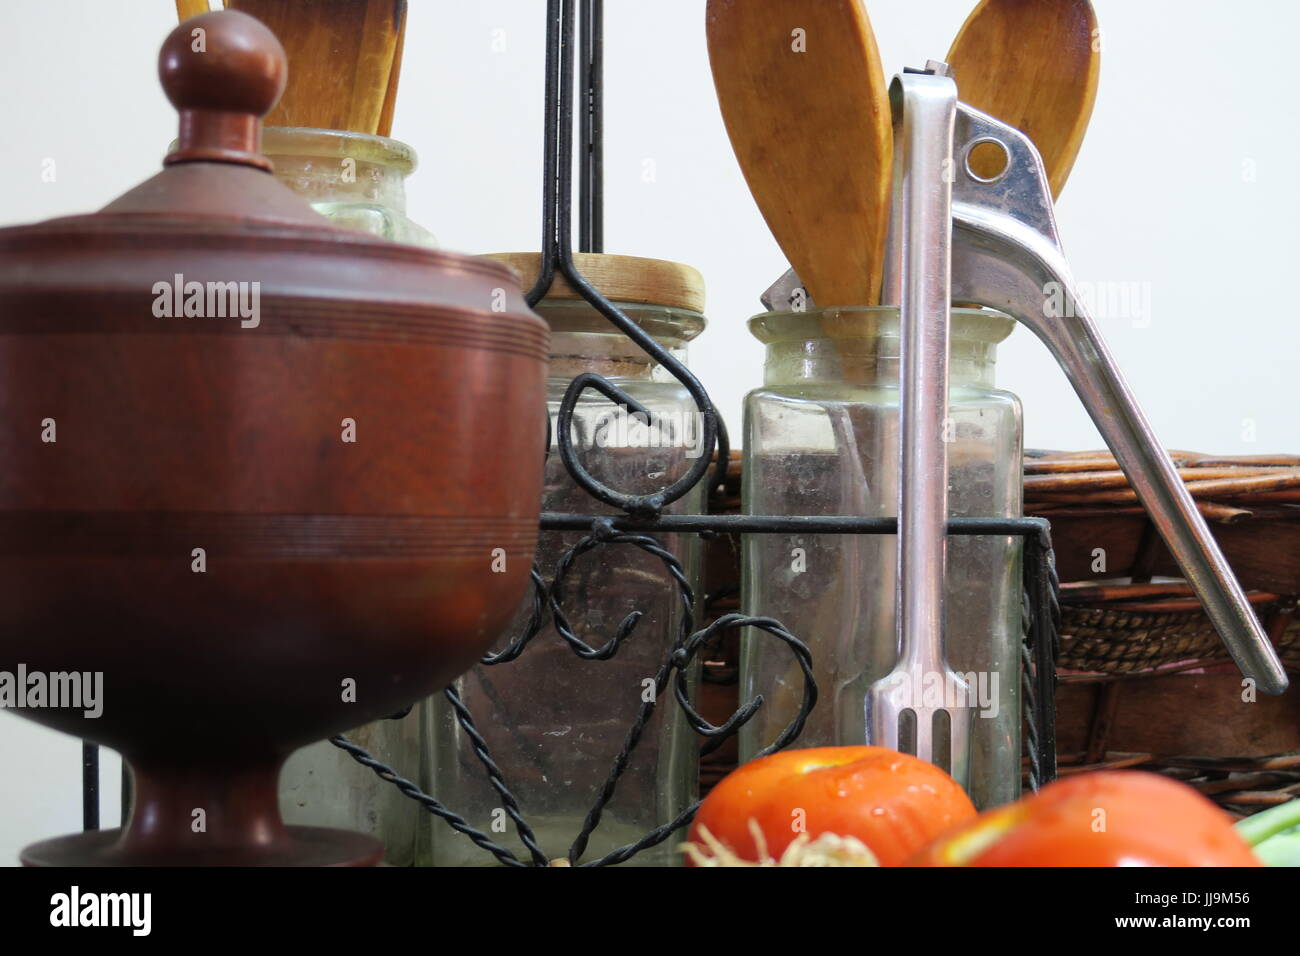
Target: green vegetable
{"x":1280,"y":850}
{"x":1274,"y":835}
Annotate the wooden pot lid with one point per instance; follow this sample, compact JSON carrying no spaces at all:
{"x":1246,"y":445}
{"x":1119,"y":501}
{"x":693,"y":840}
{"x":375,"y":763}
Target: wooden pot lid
{"x":618,"y":278}
{"x":216,"y":214}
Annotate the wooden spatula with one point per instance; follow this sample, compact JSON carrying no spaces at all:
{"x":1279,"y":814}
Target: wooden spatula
{"x":804,"y":100}
{"x":1034,"y":65}
{"x":343,"y":58}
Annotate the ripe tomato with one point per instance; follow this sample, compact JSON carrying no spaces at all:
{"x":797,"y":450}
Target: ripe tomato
{"x":1107,"y":818}
{"x":892,"y":802}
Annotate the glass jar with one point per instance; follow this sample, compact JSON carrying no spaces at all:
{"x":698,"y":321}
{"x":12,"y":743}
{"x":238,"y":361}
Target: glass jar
{"x":357,"y":181}
{"x":821,"y":438}
{"x":555,"y":722}
{"x":354,"y":179}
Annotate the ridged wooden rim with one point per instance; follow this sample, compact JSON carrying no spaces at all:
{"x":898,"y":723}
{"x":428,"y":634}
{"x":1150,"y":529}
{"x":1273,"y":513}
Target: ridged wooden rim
{"x":31,"y":312}
{"x":125,"y":233}
{"x":143,"y":534}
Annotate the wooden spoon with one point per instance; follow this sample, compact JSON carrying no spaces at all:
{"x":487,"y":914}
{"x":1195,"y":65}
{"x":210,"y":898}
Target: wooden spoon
{"x":343,"y":59}
{"x":805,"y":104}
{"x":1034,"y":65}
{"x":190,"y":8}
{"x":385,"y":127}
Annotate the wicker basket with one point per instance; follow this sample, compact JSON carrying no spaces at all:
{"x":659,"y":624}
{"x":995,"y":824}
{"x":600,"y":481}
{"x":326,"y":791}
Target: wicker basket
{"x":1145,"y":680}
{"x":1126,"y":629}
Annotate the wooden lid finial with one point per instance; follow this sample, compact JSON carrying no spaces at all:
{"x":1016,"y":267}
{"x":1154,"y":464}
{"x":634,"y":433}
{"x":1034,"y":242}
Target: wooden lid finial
{"x":223,"y":71}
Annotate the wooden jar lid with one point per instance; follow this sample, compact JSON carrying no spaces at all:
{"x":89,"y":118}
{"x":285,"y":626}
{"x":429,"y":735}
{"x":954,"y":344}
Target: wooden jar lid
{"x":618,"y":278}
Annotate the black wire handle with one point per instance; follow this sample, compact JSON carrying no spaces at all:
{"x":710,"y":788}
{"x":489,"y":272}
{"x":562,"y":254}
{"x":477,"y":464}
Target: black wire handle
{"x":591,"y":192}
{"x":557,"y":254}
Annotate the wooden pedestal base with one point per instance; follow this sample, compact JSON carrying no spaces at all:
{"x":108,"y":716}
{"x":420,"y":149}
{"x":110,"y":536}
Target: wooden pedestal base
{"x":300,"y":846}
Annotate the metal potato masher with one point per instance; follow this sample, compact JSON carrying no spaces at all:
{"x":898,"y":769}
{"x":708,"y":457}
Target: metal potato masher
{"x":992,"y":241}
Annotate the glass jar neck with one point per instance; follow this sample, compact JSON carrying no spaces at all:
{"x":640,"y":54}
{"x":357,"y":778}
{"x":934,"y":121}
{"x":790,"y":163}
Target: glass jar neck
{"x":860,"y":346}
{"x":583,"y":340}
{"x":335,"y":166}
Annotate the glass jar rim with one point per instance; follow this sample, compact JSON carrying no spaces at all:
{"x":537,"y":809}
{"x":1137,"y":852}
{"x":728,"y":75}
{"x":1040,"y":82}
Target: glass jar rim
{"x":669,"y":325}
{"x":337,"y":144}
{"x":869,"y":322}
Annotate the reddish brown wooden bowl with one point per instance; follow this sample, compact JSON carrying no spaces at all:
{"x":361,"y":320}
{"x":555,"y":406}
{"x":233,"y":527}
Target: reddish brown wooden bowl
{"x":391,"y":562}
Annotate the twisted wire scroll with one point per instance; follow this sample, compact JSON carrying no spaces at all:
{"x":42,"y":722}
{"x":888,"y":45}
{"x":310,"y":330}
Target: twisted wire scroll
{"x":678,"y":662}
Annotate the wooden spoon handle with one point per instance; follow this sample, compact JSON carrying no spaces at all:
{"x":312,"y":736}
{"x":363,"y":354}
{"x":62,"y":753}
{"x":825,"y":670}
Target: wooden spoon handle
{"x":341,"y":59}
{"x":383,"y":32}
{"x":390,"y":97}
{"x":190,"y":8}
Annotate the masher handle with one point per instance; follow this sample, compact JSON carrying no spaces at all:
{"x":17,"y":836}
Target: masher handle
{"x":1006,"y":255}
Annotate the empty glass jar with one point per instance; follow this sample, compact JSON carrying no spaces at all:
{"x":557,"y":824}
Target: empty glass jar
{"x":354,"y":179}
{"x":554,"y":721}
{"x":357,"y":181}
{"x":821,"y":438}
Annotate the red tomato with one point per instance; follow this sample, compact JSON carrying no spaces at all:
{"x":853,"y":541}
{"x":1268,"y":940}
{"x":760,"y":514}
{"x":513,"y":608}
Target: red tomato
{"x":1106,"y":818}
{"x":892,"y":802}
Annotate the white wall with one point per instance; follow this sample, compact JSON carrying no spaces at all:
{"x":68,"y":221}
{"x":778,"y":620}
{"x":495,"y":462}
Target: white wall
{"x":1187,"y":182}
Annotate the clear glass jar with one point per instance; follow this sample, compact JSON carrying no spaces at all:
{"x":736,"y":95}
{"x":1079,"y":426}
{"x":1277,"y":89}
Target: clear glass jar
{"x":553,"y":721}
{"x":354,"y":179}
{"x":358,"y":181}
{"x":821,"y":438}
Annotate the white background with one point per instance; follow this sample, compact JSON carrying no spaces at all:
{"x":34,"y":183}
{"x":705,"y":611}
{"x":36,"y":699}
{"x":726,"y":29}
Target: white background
{"x":1187,"y":182}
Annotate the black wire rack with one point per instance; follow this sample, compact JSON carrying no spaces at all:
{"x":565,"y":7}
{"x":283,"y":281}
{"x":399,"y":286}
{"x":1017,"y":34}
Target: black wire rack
{"x":641,"y":517}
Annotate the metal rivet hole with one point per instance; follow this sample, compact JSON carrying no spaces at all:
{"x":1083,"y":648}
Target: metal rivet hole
{"x":987,"y":160}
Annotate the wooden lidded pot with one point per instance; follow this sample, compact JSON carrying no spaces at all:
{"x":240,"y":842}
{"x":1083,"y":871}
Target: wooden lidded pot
{"x":270,"y":478}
